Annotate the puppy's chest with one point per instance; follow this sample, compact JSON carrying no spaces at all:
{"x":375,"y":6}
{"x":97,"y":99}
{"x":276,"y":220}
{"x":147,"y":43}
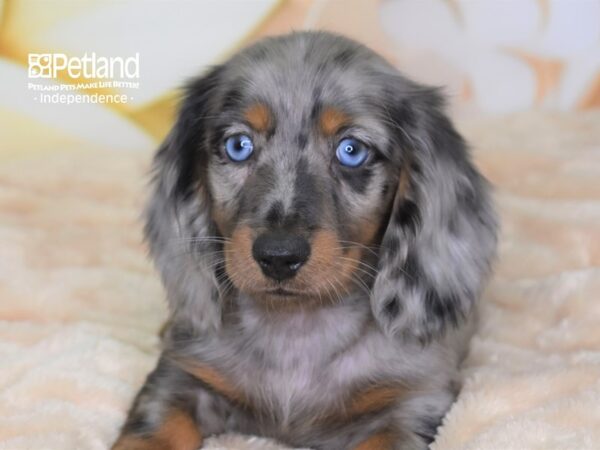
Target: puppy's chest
{"x":306,"y":375}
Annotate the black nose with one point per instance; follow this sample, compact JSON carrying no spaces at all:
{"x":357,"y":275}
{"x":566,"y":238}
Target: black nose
{"x":279,"y":254}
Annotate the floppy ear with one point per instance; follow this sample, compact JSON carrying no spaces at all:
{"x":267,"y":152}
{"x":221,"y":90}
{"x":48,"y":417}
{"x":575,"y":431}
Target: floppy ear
{"x":179,"y":228}
{"x":441,"y":236}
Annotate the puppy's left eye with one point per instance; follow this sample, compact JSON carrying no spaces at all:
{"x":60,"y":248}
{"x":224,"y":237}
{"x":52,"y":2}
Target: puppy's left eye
{"x":239,"y":147}
{"x":351,"y":152}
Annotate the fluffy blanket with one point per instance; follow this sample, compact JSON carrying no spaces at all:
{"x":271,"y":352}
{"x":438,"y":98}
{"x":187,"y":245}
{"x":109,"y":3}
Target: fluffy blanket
{"x":80,"y":304}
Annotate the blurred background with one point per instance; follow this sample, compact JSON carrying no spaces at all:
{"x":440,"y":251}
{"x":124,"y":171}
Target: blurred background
{"x":492,"y":56}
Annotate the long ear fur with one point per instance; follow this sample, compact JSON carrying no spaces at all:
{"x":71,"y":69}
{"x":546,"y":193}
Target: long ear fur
{"x":441,"y":236}
{"x":178,"y":227}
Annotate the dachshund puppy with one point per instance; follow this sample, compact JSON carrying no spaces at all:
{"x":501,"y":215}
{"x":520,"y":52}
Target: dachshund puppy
{"x":322,"y":236}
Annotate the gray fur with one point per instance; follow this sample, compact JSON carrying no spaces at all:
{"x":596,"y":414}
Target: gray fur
{"x":409,"y":323}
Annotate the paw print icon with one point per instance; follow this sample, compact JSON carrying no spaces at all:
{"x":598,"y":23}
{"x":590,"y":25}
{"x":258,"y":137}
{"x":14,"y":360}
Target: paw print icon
{"x":40,"y":65}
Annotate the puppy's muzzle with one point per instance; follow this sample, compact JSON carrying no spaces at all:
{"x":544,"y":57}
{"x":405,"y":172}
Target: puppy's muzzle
{"x":279,"y":254}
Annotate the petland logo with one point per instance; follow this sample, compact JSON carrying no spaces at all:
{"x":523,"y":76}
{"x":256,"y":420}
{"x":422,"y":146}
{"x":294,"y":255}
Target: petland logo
{"x":53,"y":65}
{"x":92,"y":78}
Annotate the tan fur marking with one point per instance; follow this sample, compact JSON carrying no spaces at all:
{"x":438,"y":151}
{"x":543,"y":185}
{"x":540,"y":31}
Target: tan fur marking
{"x":367,"y":231}
{"x":220,"y":220}
{"x":135,"y":443}
{"x":374,"y":399}
{"x":180,"y":431}
{"x":177,"y":432}
{"x":371,"y":400}
{"x":331,"y":120}
{"x":403,"y":183}
{"x":215,"y":381}
{"x":380,"y":441}
{"x":259,"y":117}
{"x":239,"y":263}
{"x":328,"y":268}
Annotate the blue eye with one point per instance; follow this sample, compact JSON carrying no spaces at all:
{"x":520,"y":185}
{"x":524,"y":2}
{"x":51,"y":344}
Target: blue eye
{"x":239,"y":147}
{"x":351,"y":152}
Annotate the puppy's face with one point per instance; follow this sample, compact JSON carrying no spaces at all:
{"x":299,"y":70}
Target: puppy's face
{"x":298,"y":170}
{"x":305,"y":168}
{"x":298,"y":174}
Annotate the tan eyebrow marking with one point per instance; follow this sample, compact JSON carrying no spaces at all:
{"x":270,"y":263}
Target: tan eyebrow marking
{"x":331,"y":120}
{"x":258,"y":116}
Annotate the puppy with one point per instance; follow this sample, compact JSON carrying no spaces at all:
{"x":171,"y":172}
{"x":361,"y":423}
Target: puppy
{"x":322,"y":236}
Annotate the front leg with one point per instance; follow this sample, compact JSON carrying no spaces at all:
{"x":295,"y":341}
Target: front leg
{"x":402,"y":438}
{"x":412,"y":424}
{"x":395,"y":440}
{"x":164,"y":415}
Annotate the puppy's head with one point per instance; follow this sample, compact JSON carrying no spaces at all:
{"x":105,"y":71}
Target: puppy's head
{"x":307,"y":168}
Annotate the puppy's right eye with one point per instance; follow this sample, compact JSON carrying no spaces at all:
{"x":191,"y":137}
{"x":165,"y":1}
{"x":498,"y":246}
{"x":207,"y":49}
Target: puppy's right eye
{"x":351,"y":152}
{"x":239,"y":147}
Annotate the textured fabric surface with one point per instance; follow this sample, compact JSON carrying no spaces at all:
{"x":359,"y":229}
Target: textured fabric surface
{"x":80,"y":305}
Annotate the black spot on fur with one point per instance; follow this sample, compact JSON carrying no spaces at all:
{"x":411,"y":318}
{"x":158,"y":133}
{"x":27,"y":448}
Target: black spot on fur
{"x":358,"y":178}
{"x":344,"y":57}
{"x":468,"y":199}
{"x":306,"y":205}
{"x":301,"y":140}
{"x":407,"y":215}
{"x":271,"y":130}
{"x":137,"y":424}
{"x":275,"y":214}
{"x":428,"y":428}
{"x":181,"y":332}
{"x":447,"y":142}
{"x":316,"y":103}
{"x":183,"y":147}
{"x":232,"y":98}
{"x":404,"y":114}
{"x":336,"y":202}
{"x":315,"y":110}
{"x":415,"y":168}
{"x":444,"y":309}
{"x":402,"y":121}
{"x":392,"y":307}
{"x":385,"y":189}
{"x":340,"y":215}
{"x":249,"y":199}
{"x":392,"y":245}
{"x":411,"y":269}
{"x":216,"y":143}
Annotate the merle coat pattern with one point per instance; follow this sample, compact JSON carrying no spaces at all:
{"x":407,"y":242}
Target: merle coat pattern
{"x":359,"y":348}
